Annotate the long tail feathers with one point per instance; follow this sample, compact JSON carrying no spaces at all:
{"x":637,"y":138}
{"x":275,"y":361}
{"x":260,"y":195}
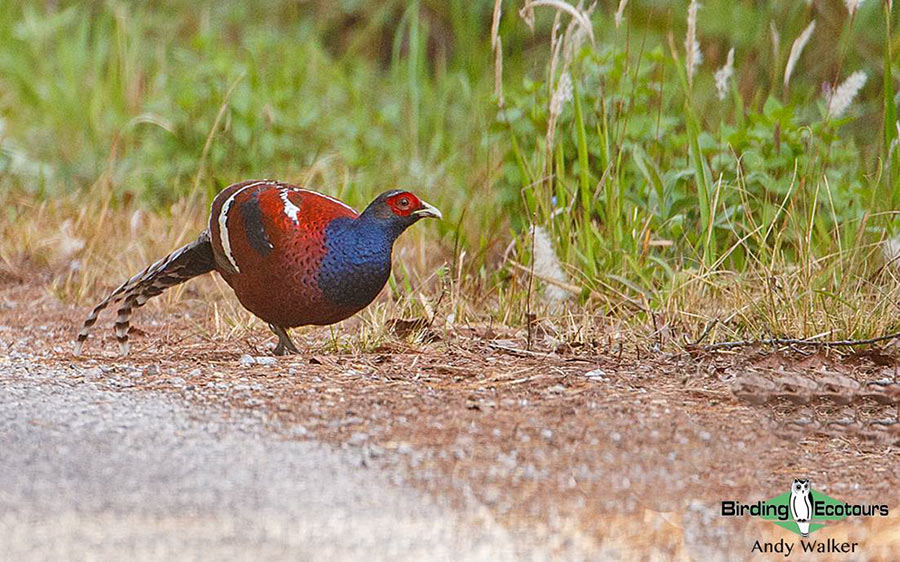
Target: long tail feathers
{"x":184,"y":263}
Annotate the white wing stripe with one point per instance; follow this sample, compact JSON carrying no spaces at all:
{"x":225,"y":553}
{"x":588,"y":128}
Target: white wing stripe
{"x":290,"y":209}
{"x":224,"y":236}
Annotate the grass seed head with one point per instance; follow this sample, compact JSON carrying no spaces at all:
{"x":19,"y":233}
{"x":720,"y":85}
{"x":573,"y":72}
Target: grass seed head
{"x":547,"y":266}
{"x":562,"y":94}
{"x":620,"y":11}
{"x":796,"y":49}
{"x":852,"y":6}
{"x":691,"y":45}
{"x":843,"y":95}
{"x":723,"y":75}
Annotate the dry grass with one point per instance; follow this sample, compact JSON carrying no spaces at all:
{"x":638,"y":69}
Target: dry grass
{"x":86,"y":250}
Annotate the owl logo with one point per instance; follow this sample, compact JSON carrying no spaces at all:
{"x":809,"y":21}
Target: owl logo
{"x":801,"y":505}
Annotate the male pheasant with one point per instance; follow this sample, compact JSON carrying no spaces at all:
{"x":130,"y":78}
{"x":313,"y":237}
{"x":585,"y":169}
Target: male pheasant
{"x":292,"y":256}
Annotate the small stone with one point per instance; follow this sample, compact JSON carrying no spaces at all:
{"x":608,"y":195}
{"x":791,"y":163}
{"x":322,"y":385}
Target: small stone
{"x":491,"y":496}
{"x":246,"y":360}
{"x":556,"y":389}
{"x":596,"y":374}
{"x":264,"y":360}
{"x":358,"y":438}
{"x":374,"y":452}
{"x":151,"y":370}
{"x":547,"y":434}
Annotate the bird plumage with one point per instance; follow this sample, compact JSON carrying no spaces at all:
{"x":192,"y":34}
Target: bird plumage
{"x":292,"y":256}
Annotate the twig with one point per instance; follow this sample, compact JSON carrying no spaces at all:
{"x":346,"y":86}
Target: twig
{"x":520,"y":352}
{"x":438,"y":304}
{"x":529,"y":314}
{"x":706,"y":331}
{"x":799,"y":342}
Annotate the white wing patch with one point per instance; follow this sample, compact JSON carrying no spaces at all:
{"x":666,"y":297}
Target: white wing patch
{"x":224,"y":235}
{"x":290,"y":209}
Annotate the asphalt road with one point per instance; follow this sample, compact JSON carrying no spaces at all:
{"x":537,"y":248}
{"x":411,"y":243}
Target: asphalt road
{"x":91,"y":473}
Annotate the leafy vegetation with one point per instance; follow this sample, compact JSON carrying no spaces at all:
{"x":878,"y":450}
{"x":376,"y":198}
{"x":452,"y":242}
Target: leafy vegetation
{"x":674,"y":197}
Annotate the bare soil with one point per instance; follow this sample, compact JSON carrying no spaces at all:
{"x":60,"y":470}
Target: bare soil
{"x":619,"y":448}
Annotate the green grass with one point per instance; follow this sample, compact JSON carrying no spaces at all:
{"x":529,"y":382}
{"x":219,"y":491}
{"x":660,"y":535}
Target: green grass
{"x":667,"y":206}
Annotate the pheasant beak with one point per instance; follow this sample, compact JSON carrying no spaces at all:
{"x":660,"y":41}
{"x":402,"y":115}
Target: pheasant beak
{"x":428,"y":211}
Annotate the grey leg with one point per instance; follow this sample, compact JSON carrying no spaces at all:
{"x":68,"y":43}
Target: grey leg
{"x":285,"y":345}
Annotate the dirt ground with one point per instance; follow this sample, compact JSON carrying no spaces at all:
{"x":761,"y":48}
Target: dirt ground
{"x":621,"y":449}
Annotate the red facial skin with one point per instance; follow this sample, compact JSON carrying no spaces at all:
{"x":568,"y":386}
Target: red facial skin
{"x":403,"y":204}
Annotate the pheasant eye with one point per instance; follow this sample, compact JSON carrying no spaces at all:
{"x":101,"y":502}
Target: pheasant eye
{"x":403,"y":203}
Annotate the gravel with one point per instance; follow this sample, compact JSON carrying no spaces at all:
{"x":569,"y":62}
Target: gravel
{"x":91,"y":471}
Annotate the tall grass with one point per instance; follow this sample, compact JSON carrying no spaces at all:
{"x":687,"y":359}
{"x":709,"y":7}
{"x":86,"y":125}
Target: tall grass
{"x":669,"y":204}
{"x":659,"y":191}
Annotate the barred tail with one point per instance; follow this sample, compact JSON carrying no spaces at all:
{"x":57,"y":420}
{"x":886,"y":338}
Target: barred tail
{"x":184,"y":263}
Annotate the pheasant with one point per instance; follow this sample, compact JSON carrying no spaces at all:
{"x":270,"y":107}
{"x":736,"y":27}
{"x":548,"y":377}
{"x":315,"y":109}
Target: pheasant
{"x":293,"y":257}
